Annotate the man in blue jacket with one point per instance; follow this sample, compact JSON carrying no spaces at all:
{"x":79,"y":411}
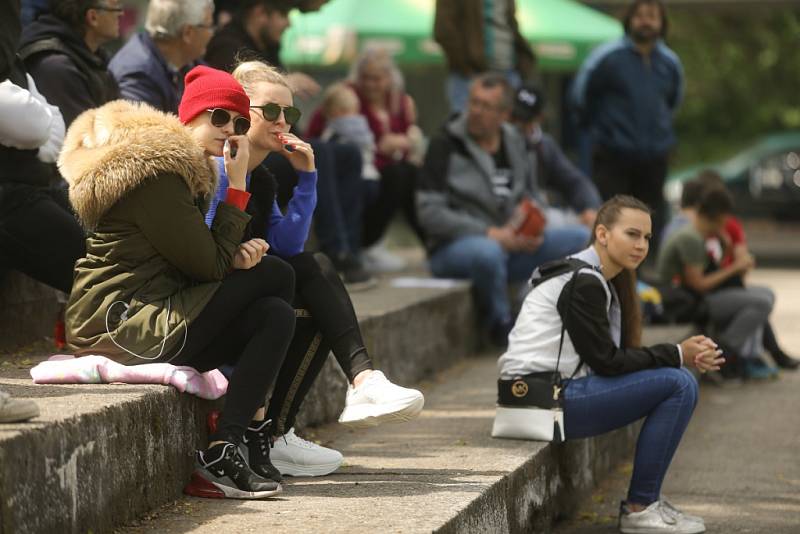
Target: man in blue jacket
{"x":151,"y":66}
{"x":626,"y":93}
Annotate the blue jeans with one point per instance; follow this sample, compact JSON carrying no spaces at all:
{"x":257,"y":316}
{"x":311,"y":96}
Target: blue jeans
{"x":665,"y":397}
{"x":490,"y":268}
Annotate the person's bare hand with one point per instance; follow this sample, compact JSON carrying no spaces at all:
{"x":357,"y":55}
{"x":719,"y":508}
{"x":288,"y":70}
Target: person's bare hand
{"x":744,"y":263}
{"x":236,"y":166}
{"x":391,"y":143}
{"x":708,"y":360}
{"x":511,"y":242}
{"x":249,"y":254}
{"x":701,"y":352}
{"x":301,"y":156}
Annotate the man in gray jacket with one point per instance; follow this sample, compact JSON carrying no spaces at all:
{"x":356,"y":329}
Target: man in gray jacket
{"x":476,"y":174}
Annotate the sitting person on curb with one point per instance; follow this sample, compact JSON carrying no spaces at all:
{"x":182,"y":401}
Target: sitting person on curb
{"x":621,"y":381}
{"x":554,"y":171}
{"x":724,"y":249}
{"x":63,"y":52}
{"x":39,"y":235}
{"x":476,"y":175}
{"x":371,"y":398}
{"x":157,"y":285}
{"x":736,"y":313}
{"x":151,"y":66}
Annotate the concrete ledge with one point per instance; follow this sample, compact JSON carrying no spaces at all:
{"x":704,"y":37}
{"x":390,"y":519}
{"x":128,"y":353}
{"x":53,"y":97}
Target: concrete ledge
{"x":102,"y":455}
{"x":439,"y":473}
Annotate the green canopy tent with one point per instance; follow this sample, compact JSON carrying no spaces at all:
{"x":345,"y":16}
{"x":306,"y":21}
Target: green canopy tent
{"x":562,"y":32}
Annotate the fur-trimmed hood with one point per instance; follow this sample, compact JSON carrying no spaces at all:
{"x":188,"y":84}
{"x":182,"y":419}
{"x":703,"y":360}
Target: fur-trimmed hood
{"x":111,"y":150}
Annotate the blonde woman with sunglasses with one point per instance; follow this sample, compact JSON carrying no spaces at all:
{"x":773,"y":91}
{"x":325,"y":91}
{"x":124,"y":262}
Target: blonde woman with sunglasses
{"x":272,"y":448}
{"x":157,"y":285}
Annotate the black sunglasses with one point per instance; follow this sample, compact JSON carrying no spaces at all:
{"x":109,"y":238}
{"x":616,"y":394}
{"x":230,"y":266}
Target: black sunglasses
{"x":272,"y":111}
{"x":220,"y":117}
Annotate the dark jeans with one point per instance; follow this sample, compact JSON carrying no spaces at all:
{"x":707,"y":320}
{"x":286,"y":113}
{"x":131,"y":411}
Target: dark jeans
{"x":326,"y":321}
{"x":39,"y":234}
{"x":340,"y":204}
{"x":248,"y":323}
{"x":383,"y":199}
{"x":643,"y":178}
{"x":337,"y":217}
{"x":665,"y":397}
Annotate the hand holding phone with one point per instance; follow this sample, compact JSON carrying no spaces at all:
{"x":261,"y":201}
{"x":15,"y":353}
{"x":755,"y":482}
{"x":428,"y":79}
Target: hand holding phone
{"x":231,"y":147}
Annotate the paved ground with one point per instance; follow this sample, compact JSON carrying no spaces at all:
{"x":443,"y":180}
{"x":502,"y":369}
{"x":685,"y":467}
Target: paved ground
{"x":739,"y":464}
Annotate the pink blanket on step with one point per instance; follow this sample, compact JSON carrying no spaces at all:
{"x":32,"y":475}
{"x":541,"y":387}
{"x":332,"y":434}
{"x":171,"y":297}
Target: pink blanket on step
{"x":67,"y":369}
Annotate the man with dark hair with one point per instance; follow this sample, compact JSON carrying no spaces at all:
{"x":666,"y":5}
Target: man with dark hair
{"x":474,"y":182}
{"x":737,"y":313}
{"x":152,"y":65}
{"x":554,"y":171}
{"x":625,"y":94}
{"x":255,"y":33}
{"x":62,"y":52}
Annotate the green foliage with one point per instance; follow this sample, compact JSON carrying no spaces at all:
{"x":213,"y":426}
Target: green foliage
{"x":742,"y":77}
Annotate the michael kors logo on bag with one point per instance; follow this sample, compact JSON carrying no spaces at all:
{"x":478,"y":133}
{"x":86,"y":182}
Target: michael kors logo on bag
{"x":519,"y":388}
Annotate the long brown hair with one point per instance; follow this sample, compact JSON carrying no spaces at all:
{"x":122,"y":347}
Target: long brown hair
{"x":625,"y":282}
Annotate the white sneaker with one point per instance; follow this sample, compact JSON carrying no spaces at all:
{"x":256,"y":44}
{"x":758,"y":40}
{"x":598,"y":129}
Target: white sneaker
{"x":295,"y":457}
{"x":656,"y":519}
{"x":376,"y":401}
{"x":16,"y":410}
{"x":669,"y":508}
{"x":378,"y":259}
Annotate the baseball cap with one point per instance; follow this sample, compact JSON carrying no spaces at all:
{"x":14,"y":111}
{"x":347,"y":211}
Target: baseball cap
{"x":528,"y":103}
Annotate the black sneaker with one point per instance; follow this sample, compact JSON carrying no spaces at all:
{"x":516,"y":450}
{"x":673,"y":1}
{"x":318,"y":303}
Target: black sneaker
{"x":255,"y":449}
{"x":222,"y":473}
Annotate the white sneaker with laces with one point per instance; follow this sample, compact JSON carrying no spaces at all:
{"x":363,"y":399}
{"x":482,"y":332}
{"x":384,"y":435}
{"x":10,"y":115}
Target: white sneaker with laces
{"x":657,"y":519}
{"x":296,"y":457}
{"x":376,"y":401}
{"x":669,"y":508}
{"x":378,"y":259}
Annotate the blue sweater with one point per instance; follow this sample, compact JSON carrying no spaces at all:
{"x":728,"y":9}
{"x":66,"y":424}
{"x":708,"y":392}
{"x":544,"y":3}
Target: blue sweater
{"x":286,"y":234}
{"x":628,"y":102}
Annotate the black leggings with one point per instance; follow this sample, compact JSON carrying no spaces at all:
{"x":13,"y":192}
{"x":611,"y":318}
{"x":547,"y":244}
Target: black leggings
{"x":39,"y":235}
{"x":248,"y":323}
{"x":326,"y":321}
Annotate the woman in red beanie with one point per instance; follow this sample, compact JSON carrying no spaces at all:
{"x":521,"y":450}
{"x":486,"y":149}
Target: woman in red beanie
{"x":157,"y":284}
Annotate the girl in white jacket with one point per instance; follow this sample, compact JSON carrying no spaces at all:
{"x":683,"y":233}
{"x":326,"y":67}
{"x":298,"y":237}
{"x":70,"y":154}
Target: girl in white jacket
{"x":620,"y":381}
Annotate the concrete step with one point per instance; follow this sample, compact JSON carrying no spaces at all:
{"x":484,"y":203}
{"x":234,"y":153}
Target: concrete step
{"x":439,"y":473}
{"x":102,"y":455}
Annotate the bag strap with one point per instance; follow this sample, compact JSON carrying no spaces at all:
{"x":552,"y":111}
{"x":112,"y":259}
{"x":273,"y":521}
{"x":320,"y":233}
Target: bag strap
{"x":559,"y":387}
{"x":571,"y":284}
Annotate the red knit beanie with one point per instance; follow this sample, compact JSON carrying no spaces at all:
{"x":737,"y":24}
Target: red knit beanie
{"x":206,"y":88}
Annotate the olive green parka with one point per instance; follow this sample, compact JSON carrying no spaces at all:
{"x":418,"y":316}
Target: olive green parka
{"x":139,"y":183}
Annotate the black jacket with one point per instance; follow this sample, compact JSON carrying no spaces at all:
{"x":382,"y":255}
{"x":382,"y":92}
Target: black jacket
{"x":232,"y":42}
{"x":66,"y":72}
{"x":586,"y":319}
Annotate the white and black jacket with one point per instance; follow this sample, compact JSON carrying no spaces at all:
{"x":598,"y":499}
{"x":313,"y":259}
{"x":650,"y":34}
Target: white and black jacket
{"x":593,"y":333}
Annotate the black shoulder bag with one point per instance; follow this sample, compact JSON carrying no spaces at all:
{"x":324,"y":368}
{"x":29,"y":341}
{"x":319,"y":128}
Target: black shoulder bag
{"x":531,"y":406}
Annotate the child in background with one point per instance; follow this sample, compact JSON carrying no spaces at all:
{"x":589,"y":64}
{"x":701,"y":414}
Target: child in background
{"x":345,"y":124}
